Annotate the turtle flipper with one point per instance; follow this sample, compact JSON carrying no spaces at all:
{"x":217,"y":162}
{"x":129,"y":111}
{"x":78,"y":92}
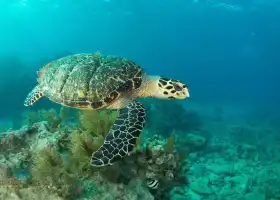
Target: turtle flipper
{"x":33,"y":96}
{"x":122,"y":137}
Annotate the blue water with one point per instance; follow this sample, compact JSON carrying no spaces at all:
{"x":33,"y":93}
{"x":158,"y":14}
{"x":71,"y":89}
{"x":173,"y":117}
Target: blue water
{"x":227,"y":51}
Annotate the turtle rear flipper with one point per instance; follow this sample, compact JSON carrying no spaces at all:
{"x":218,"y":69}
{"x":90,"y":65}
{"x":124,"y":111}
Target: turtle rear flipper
{"x":33,"y":96}
{"x":122,"y":137}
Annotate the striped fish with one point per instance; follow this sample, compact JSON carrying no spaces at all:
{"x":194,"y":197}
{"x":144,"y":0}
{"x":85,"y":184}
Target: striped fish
{"x":152,"y":184}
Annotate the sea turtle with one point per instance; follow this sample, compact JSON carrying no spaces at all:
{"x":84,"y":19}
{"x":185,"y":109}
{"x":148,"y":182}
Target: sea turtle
{"x":92,"y":81}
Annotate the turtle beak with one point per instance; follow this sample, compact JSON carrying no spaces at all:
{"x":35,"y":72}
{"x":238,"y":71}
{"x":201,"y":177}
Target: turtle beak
{"x":184,"y":94}
{"x":187,"y":93}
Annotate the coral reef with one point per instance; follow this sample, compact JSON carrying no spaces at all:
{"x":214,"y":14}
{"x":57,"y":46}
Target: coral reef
{"x":194,"y":142}
{"x":134,"y":190}
{"x":211,"y":176}
{"x":49,"y":169}
{"x":237,"y":163}
{"x":33,"y":151}
{"x":16,"y":191}
{"x":55,"y":156}
{"x":220,"y":160}
{"x":158,"y":161}
{"x":55,"y":159}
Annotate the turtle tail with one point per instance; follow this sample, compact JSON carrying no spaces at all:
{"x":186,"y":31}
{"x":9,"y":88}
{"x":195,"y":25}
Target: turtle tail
{"x":33,"y":96}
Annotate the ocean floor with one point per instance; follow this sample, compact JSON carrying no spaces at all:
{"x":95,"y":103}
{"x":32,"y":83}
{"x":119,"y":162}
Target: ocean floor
{"x":233,"y":155}
{"x":240,"y":161}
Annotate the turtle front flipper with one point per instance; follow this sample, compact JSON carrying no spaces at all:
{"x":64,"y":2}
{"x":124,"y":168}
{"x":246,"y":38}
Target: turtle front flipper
{"x":122,"y":137}
{"x":33,"y":96}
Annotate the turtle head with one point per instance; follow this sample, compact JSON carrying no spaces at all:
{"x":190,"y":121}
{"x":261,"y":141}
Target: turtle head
{"x":172,"y":89}
{"x":166,"y":88}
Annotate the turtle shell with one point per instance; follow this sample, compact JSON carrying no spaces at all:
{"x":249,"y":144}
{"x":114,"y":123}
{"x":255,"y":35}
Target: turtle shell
{"x":89,"y":80}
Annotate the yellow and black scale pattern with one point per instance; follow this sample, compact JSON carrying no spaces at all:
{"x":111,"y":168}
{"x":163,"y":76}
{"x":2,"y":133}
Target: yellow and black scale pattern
{"x":89,"y":80}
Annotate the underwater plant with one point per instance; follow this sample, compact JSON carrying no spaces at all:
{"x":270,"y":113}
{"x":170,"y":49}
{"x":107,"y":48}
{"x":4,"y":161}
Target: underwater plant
{"x":97,"y":122}
{"x":82,"y":145}
{"x":46,"y":163}
{"x":50,"y":170}
{"x":92,"y":129}
{"x":54,"y":118}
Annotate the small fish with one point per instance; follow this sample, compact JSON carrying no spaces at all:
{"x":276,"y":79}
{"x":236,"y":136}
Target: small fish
{"x":152,"y":184}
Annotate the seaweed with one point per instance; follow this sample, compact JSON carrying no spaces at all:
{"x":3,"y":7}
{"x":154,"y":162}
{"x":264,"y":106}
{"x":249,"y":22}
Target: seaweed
{"x":97,"y":122}
{"x":55,"y":119}
{"x":169,"y":146}
{"x":138,"y":145}
{"x":51,"y":116}
{"x":63,"y":113}
{"x":82,"y":146}
{"x":92,"y":129}
{"x":50,"y":170}
{"x":46,"y":164}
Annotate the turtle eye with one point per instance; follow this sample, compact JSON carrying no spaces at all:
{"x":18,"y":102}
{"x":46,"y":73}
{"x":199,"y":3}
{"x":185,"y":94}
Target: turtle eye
{"x":177,"y":87}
